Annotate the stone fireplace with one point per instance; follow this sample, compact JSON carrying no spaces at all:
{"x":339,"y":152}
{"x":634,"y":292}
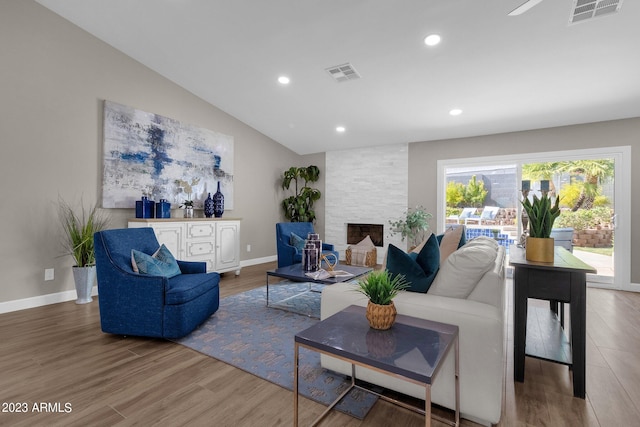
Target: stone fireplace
{"x":357,"y":232}
{"x":365,"y":187}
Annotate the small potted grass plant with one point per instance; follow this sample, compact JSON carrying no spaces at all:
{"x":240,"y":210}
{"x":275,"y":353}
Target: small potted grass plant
{"x":78,"y":229}
{"x":380,"y":287}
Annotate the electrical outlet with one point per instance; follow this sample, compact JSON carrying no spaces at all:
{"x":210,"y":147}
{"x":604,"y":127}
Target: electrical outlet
{"x":248,"y":248}
{"x":48,"y":274}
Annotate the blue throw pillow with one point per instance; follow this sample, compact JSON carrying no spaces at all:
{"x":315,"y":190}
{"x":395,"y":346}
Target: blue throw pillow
{"x":419,"y":270}
{"x":429,"y":258}
{"x":162,"y":263}
{"x":163,"y":254}
{"x":297,"y":242}
{"x":400,"y":262}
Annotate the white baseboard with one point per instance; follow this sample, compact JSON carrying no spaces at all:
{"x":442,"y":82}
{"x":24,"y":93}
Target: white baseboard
{"x":256,"y":261}
{"x":634,"y":287}
{"x":39,"y":301}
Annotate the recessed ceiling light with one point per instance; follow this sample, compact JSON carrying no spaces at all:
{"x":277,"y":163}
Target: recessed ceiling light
{"x":340,"y":129}
{"x":284,"y":80}
{"x":455,"y":112}
{"x":432,"y":39}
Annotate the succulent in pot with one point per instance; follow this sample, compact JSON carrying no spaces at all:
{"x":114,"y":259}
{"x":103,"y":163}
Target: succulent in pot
{"x":542,"y":214}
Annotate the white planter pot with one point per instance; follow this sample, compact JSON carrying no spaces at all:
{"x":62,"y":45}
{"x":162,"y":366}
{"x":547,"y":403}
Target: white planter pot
{"x":85,"y":278}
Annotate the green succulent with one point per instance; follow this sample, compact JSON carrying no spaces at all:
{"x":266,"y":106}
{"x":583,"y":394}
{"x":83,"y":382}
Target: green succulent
{"x":542,"y":213}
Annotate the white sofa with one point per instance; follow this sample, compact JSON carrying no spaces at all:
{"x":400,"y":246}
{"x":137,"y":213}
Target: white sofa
{"x":481,"y":317}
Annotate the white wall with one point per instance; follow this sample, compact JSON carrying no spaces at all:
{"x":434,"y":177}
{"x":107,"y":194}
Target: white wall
{"x":368,"y":185}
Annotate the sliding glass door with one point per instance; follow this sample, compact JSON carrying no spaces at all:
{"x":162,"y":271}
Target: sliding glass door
{"x":594,"y":190}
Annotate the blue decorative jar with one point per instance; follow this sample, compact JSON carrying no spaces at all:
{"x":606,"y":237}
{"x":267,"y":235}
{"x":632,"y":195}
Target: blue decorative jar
{"x":145,"y":208}
{"x":163,"y":209}
{"x":208,"y":206}
{"x":218,"y":203}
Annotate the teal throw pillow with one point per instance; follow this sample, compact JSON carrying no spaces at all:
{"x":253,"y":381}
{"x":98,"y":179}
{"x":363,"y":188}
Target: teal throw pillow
{"x":429,"y":258}
{"x":162,"y":263}
{"x":401,"y":263}
{"x":163,"y":254}
{"x":297,"y":242}
{"x":419,"y":272}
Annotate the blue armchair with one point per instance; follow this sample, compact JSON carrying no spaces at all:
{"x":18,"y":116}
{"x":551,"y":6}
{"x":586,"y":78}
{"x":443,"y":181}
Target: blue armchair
{"x":146,"y":305}
{"x":289,"y":254}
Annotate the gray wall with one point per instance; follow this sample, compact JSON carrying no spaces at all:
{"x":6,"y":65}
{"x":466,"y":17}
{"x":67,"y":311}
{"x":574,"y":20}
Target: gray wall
{"x":423,"y":158}
{"x":53,"y":80}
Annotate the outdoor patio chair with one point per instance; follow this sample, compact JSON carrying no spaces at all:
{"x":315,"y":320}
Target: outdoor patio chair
{"x":487,"y":216}
{"x":466,"y":213}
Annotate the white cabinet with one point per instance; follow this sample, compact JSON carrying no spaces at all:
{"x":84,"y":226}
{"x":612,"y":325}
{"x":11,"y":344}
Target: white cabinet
{"x":214,"y":241}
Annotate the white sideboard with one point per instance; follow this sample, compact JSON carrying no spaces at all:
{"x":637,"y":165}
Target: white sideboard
{"x":215,"y":241}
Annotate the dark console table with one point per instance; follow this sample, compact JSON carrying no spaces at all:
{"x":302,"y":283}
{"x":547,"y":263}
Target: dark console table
{"x":563,"y":281}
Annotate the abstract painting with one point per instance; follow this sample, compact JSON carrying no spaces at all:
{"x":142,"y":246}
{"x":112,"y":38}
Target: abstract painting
{"x":146,"y":154}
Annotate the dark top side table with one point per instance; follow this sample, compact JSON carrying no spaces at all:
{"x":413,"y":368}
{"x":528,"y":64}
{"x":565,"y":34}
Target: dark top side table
{"x":563,"y":281}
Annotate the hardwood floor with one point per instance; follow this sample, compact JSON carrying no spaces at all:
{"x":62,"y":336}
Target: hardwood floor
{"x":57,"y":356}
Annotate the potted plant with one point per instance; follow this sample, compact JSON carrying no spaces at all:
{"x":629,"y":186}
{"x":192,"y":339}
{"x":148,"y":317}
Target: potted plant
{"x":541,"y":213}
{"x":414,"y":226}
{"x":78,"y":229}
{"x":380,"y":287}
{"x":299,"y":207}
{"x":187,"y":188}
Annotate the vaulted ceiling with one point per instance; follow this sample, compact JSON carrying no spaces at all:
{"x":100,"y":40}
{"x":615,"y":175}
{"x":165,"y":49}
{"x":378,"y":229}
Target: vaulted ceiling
{"x":506,"y":73}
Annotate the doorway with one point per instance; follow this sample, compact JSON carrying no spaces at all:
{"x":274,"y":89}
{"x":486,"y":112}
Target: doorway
{"x":501,"y":176}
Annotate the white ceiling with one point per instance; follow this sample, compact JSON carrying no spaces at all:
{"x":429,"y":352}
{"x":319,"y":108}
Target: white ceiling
{"x":506,"y":73}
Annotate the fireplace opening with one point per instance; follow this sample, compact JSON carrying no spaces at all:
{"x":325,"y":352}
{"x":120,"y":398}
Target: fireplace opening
{"x":357,"y":232}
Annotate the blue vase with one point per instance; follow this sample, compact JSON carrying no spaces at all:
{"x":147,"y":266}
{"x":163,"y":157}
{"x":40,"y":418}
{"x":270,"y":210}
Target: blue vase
{"x":218,"y":203}
{"x":208,"y":206}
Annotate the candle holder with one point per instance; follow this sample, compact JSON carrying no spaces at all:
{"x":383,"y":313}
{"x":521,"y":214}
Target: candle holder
{"x":544,"y":187}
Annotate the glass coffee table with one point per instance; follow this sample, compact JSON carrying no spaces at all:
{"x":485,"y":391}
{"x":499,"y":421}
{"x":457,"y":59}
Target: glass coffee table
{"x":413,"y":349}
{"x":294,"y":273}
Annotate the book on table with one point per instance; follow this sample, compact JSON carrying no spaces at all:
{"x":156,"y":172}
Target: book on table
{"x":324,"y":274}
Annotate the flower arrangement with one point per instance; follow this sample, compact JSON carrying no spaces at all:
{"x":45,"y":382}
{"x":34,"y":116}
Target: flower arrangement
{"x":187,"y":188}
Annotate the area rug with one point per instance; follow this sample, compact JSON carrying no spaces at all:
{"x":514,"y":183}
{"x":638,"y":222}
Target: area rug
{"x":247,"y":334}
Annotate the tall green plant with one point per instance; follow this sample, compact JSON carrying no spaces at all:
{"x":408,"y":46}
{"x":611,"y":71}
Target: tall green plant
{"x":542,"y":213}
{"x":299,"y":207}
{"x":78,"y":231}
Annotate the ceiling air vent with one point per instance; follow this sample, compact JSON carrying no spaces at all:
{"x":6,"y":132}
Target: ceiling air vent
{"x":587,"y":9}
{"x":343,"y":73}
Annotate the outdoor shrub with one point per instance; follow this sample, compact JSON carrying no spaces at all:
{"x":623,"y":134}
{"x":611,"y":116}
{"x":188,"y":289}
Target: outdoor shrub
{"x":584,"y":218}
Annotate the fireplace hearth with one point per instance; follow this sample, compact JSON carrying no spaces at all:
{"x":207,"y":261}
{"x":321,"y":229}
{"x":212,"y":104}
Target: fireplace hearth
{"x":357,"y":232}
